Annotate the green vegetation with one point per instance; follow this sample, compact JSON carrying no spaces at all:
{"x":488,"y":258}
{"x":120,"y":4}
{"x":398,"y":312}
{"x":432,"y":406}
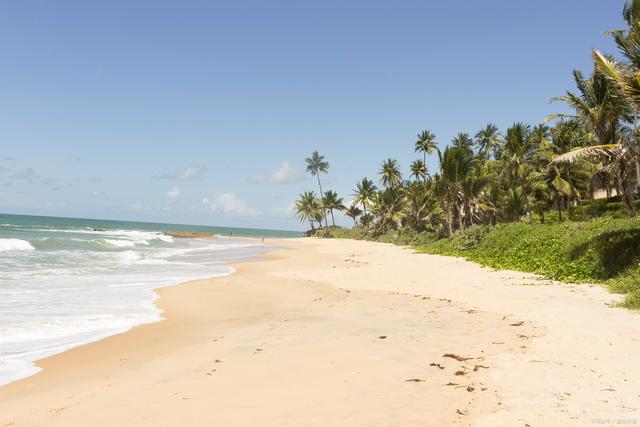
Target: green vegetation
{"x":605,"y":250}
{"x":557,"y":198}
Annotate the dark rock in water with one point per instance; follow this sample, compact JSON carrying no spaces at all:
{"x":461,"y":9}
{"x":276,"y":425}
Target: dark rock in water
{"x":190,"y":234}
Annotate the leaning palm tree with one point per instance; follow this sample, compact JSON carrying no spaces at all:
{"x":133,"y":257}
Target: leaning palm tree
{"x":616,"y":159}
{"x":316,"y":164}
{"x":599,"y":105}
{"x":353,"y":212}
{"x":426,"y":144}
{"x":418,"y":170}
{"x":331,"y":201}
{"x":390,"y":175}
{"x":364,"y":192}
{"x":488,"y":140}
{"x":307,"y":207}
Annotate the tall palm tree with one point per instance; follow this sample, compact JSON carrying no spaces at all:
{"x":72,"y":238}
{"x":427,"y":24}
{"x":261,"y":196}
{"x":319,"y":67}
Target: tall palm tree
{"x":353,"y":212}
{"x":518,"y":150}
{"x":390,"y":175}
{"x":462,"y":140}
{"x":599,"y":105}
{"x":418,"y":170}
{"x":426,"y":144}
{"x":472,"y":186}
{"x":456,"y":163}
{"x":488,"y":140}
{"x":307,"y":207}
{"x":331,"y":201}
{"x":364,"y":192}
{"x":316,"y":164}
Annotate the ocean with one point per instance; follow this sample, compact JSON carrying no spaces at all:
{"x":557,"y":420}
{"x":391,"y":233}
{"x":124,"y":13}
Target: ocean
{"x":66,"y":282}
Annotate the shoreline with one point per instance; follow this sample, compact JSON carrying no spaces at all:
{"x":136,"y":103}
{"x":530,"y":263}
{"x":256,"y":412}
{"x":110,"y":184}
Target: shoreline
{"x":349,"y":333}
{"x":34,"y":368}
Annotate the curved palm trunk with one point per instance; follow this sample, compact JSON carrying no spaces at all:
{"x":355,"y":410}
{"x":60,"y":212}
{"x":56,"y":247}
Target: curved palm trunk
{"x":324,"y":212}
{"x":332,"y":219}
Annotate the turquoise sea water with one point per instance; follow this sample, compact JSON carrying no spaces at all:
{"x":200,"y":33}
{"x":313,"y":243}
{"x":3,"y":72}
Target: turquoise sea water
{"x":66,"y":281}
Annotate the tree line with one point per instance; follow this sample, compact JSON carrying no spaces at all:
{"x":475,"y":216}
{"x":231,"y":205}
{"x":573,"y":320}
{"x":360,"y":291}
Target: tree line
{"x":525,"y":171}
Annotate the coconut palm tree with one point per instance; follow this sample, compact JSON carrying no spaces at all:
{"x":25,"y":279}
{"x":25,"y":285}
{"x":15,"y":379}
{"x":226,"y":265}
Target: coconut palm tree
{"x":422,"y":205}
{"x":316,"y":164}
{"x":599,"y":105}
{"x":388,"y":207}
{"x":472,"y":187}
{"x":418,"y":170}
{"x":307,"y":207}
{"x":331,"y":201}
{"x":426,"y":144}
{"x":462,"y":140}
{"x":390,"y":175}
{"x":488,"y":140}
{"x":456,"y":163}
{"x":616,"y":159}
{"x":364,"y":193}
{"x":518,"y":149}
{"x":353,"y":212}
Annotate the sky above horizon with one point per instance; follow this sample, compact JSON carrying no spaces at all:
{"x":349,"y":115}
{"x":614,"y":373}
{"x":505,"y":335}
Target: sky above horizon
{"x":202,"y":112}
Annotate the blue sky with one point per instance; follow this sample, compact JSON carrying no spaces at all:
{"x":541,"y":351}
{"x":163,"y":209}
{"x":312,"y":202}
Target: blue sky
{"x":202,"y":112}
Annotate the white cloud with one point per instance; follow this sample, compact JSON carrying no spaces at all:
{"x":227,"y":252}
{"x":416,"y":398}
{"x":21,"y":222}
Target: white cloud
{"x":190,"y":171}
{"x":282,"y":175}
{"x":227,"y":204}
{"x":27,"y":174}
{"x":173,"y":192}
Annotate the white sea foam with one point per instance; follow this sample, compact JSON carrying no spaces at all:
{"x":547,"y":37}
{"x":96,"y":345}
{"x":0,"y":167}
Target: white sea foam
{"x":120,"y":243}
{"x":68,"y":293}
{"x":15,"y":245}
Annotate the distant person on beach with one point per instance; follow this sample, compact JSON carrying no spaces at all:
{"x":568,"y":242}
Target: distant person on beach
{"x":262,"y":240}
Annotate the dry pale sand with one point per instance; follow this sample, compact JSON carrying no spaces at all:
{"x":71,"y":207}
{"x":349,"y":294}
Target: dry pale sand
{"x":328,"y":332}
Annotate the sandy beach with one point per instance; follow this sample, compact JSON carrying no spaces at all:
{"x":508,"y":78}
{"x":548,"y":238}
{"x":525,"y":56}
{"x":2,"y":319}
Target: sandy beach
{"x":338,"y":332}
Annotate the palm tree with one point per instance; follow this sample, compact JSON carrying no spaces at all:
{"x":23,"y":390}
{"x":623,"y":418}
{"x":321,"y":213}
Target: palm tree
{"x":456,"y":163}
{"x":518,"y":150}
{"x":353,"y":212}
{"x":418,"y":170}
{"x":472,"y":187}
{"x":331,"y":201}
{"x":488,"y":140}
{"x":599,"y":105}
{"x":462,"y":140}
{"x":626,"y":75}
{"x":316,"y":164}
{"x":617,"y":160}
{"x":390,"y":175}
{"x":422,"y":205}
{"x":307,"y":207}
{"x":426,"y":144}
{"x":388,"y":207}
{"x":364,"y":193}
